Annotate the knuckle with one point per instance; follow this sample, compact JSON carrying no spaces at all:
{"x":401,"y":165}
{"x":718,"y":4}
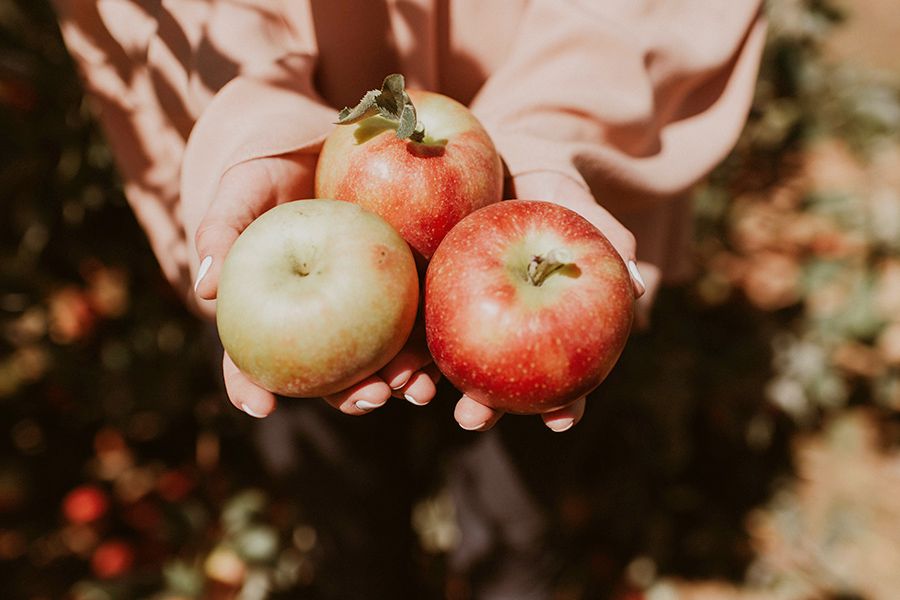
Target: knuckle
{"x":201,"y":235}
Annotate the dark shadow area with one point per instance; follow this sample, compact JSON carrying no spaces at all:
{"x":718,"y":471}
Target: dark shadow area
{"x":664,"y":464}
{"x":435,"y":150}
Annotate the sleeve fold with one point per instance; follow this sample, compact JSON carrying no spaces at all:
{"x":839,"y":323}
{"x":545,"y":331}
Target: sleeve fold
{"x":638,"y":98}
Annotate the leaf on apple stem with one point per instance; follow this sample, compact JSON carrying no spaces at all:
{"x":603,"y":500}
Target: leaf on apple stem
{"x":407,"y":124}
{"x":390,"y":102}
{"x":542,"y":266}
{"x":365,"y":109}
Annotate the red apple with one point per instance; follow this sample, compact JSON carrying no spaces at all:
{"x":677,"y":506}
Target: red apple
{"x":422,"y":188}
{"x":527,"y":306}
{"x":314,"y":296}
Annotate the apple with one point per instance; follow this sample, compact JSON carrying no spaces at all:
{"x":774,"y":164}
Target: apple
{"x":527,"y":306}
{"x":420,"y":160}
{"x":314,"y":296}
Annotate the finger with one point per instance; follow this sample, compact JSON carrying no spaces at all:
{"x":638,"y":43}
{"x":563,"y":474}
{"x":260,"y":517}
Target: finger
{"x":411,"y":358}
{"x":566,"y":191}
{"x":365,"y":396}
{"x":652,"y":276}
{"x":473,"y":416}
{"x":244,"y":394}
{"x":637,"y":280}
{"x":621,"y":239}
{"x":421,"y":388}
{"x":565,"y":418}
{"x":245,"y":191}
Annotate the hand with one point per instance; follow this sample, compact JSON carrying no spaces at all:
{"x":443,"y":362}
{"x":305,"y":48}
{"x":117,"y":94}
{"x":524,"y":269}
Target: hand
{"x":244,"y":193}
{"x":222,"y":196}
{"x":560,"y":189}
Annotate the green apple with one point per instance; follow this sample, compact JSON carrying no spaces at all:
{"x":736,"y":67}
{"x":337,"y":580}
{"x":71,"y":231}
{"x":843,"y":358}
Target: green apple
{"x":314,"y":296}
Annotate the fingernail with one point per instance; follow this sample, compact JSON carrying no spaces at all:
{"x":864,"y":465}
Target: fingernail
{"x":203,"y":270}
{"x":247,"y":410}
{"x":412,"y":400}
{"x":364,"y":405}
{"x":476,"y":428}
{"x":561,"y":425}
{"x":636,"y":275}
{"x":403,"y":382}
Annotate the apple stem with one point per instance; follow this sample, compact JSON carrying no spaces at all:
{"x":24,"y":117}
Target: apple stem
{"x":391,"y":102}
{"x":543,"y":265}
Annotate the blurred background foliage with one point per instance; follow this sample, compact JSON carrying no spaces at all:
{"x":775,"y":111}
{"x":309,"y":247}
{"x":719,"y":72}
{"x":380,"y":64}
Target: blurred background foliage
{"x":760,"y":461}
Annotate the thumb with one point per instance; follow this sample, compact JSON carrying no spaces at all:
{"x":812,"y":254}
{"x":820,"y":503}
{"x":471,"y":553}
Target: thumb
{"x":246,"y":191}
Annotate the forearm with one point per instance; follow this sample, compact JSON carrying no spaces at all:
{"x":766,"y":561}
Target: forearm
{"x":146,"y":146}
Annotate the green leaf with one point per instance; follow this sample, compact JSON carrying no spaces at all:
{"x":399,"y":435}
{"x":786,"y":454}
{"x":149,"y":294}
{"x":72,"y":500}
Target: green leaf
{"x":407,"y":124}
{"x":365,"y":109}
{"x":392,"y":103}
{"x":393,"y":97}
{"x":394,"y":84}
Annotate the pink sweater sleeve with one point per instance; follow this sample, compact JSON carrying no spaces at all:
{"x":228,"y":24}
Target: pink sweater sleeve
{"x":187,"y":90}
{"x":636,"y":98}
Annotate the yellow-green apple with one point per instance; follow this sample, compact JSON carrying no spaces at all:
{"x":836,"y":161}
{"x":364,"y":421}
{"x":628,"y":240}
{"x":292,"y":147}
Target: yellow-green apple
{"x":419,"y":159}
{"x":314,"y":296}
{"x":527,"y":306}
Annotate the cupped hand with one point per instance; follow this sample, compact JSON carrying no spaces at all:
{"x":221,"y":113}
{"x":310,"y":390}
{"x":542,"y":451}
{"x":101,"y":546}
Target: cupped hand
{"x":563,"y":190}
{"x":245,"y":192}
{"x":223,"y":195}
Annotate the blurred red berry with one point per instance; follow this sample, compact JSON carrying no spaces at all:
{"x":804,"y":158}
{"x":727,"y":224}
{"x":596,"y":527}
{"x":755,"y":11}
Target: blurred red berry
{"x":85,"y":504}
{"x":112,"y":559}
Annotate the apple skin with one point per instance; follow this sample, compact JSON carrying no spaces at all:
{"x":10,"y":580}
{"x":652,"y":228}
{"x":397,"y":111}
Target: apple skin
{"x":422,"y":189}
{"x":316,"y":334}
{"x":508,"y":343}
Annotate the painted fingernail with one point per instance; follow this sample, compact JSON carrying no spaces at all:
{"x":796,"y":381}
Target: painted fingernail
{"x":364,"y":405}
{"x":202,"y":271}
{"x":412,"y":400}
{"x":636,"y":275}
{"x":476,"y":428}
{"x":403,"y":382}
{"x":250,"y":412}
{"x":561,"y":425}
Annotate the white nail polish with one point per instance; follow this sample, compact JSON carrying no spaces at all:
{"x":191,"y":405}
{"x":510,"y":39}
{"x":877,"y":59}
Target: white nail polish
{"x":566,"y":427}
{"x":635,"y":274}
{"x":203,"y":270}
{"x":363,"y":405}
{"x":247,"y":410}
{"x":412,"y":400}
{"x":476,"y":428}
{"x":401,"y":384}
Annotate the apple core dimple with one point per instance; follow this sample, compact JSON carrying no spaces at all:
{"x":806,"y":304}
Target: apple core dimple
{"x":321,"y":319}
{"x":299,"y":267}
